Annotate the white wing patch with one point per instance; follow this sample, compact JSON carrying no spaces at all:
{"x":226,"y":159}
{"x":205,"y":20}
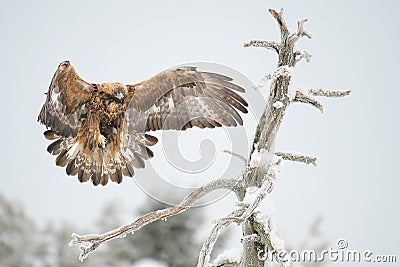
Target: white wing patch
{"x":85,"y":85}
{"x":170,"y":103}
{"x":73,"y":151}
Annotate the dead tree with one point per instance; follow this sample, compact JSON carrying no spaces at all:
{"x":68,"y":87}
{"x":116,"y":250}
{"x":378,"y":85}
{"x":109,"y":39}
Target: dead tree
{"x":259,"y":175}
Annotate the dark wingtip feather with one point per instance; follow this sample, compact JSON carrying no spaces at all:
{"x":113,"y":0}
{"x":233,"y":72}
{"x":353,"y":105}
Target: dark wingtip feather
{"x":113,"y":177}
{"x":80,"y":175}
{"x":71,"y":168}
{"x":104,"y":179}
{"x":62,"y":159}
{"x":150,"y":140}
{"x":126,"y":172}
{"x":50,"y":135}
{"x":235,"y":96}
{"x":238,"y":106}
{"x":116,"y":176}
{"x":149,"y":152}
{"x":119,"y":175}
{"x":227,"y":84}
{"x":95,"y":178}
{"x":83,"y":176}
{"x":217,"y":76}
{"x":54,"y":148}
{"x":137,"y":161}
{"x":130,"y":169}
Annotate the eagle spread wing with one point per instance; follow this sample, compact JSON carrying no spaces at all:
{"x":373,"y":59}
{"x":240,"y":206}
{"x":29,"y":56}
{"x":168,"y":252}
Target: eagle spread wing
{"x":100,"y":129}
{"x":65,"y":102}
{"x":182,"y":98}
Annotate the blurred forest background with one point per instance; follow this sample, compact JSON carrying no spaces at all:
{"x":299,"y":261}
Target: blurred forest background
{"x":164,"y":243}
{"x":173,"y":242}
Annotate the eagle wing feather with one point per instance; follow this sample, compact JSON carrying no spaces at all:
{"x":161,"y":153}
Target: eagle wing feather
{"x":184,"y":97}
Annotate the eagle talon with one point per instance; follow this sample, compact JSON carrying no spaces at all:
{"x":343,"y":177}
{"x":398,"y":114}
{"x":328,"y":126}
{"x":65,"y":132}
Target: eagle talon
{"x":102,"y":141}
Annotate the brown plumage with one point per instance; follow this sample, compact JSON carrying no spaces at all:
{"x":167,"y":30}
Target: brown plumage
{"x":99,"y":130}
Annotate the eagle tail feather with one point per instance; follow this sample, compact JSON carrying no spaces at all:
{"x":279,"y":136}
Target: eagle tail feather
{"x":101,"y":164}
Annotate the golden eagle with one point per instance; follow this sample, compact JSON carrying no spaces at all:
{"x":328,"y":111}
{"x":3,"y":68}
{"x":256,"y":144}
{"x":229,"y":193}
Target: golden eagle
{"x":100,"y":130}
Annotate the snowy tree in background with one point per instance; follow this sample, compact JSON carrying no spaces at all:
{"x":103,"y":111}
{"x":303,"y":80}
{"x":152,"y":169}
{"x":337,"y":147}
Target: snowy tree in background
{"x":166,"y":244}
{"x":170,"y":241}
{"x":22,"y":243}
{"x":17,"y":236}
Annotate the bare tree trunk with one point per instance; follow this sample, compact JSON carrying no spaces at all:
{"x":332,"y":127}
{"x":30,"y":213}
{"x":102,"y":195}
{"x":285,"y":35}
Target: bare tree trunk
{"x":250,"y":253}
{"x":270,"y":122}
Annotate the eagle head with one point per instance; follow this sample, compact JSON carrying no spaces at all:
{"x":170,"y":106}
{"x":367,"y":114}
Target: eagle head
{"x":65,"y":65}
{"x":118,"y":94}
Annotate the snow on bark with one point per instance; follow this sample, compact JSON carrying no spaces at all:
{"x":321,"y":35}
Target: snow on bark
{"x":233,"y":255}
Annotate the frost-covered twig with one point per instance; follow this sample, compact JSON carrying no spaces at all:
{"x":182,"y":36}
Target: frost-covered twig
{"x":281,"y":21}
{"x":91,"y":242}
{"x":266,"y":44}
{"x":297,"y":158}
{"x":235,"y":154}
{"x":300,"y":54}
{"x":329,"y":93}
{"x":303,"y":98}
{"x":208,"y":245}
{"x":300,"y":30}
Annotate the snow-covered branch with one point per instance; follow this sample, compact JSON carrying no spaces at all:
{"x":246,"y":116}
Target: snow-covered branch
{"x":208,"y":245}
{"x":266,"y":44}
{"x":306,"y":96}
{"x":300,"y":54}
{"x":303,"y":98}
{"x":329,"y":93}
{"x":235,"y":154}
{"x":300,"y":30}
{"x":297,"y":157}
{"x":89,"y":243}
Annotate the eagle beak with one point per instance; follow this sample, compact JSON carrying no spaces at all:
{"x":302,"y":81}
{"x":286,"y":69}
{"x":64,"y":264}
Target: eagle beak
{"x":120,"y":97}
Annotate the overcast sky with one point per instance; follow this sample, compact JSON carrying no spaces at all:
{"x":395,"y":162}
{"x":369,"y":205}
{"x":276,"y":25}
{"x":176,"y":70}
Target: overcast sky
{"x":354,"y":187}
